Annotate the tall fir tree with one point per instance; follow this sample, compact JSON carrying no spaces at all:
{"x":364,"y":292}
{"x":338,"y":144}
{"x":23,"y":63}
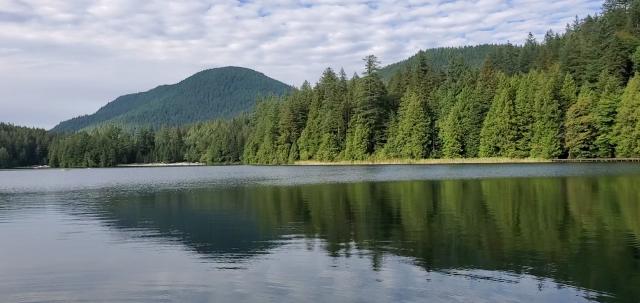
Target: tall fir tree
{"x":409,"y":137}
{"x":580,"y":126}
{"x":627,"y":121}
{"x":500,"y":129}
{"x":546,"y":139}
{"x":604,"y":115}
{"x":366,"y":129}
{"x":457,"y":129}
{"x":524,"y":117}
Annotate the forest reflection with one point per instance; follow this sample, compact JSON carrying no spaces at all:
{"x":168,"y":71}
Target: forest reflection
{"x":580,"y":231}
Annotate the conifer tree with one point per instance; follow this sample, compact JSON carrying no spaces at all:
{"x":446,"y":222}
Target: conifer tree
{"x":500,"y":129}
{"x":604,"y":115}
{"x":580,"y":126}
{"x":568,"y":93}
{"x":332,"y":92}
{"x":367,"y":127}
{"x":261,"y":145}
{"x":627,"y":121}
{"x":459,"y":130}
{"x":525,"y":95}
{"x":546,"y":140}
{"x":308,"y":142}
{"x":409,"y":135}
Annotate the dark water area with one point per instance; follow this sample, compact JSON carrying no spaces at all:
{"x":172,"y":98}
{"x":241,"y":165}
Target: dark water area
{"x":444,"y":233}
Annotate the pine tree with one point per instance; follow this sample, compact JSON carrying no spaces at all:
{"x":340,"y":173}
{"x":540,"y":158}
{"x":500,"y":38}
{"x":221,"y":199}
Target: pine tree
{"x":367,"y":127}
{"x":604,"y":115}
{"x":546,"y":141}
{"x":5,"y":158}
{"x":524,"y":117}
{"x":568,"y":93}
{"x":528,"y":54}
{"x":500,"y":129}
{"x":458,"y":132}
{"x":261,"y":145}
{"x":580,"y":126}
{"x":309,"y":141}
{"x":332,"y":91}
{"x":409,"y":137}
{"x":627,"y":121}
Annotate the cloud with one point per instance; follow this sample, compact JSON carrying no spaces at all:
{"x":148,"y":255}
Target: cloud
{"x":61,"y":58}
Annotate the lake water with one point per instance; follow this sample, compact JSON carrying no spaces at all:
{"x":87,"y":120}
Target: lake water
{"x":446,"y":233}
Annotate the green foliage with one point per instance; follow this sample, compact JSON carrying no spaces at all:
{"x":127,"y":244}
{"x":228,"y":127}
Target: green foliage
{"x":499,"y":134}
{"x":635,"y":58}
{"x":5,"y":158}
{"x":23,"y":146}
{"x":216,"y":93}
{"x":604,"y":115}
{"x":218,"y":141}
{"x":456,"y":126}
{"x":367,"y":128}
{"x":628,"y":121}
{"x":524,"y":114}
{"x":568,"y":93}
{"x":103,"y":147}
{"x":440,"y":58}
{"x":546,"y":139}
{"x":261,"y":144}
{"x":409,"y":138}
{"x":580,"y":126}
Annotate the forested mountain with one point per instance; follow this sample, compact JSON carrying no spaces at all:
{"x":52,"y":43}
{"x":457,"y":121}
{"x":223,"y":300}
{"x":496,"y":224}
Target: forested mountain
{"x":439,"y":58}
{"x":215,"y":93}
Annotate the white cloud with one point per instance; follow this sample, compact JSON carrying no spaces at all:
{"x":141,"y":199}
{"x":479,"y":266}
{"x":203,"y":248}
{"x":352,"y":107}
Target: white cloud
{"x":61,"y":58}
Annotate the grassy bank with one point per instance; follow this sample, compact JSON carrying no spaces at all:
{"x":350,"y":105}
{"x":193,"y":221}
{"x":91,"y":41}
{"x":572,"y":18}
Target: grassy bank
{"x":427,"y":161}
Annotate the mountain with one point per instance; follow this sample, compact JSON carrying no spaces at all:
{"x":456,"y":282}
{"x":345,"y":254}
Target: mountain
{"x":214,"y":93}
{"x":439,"y":58}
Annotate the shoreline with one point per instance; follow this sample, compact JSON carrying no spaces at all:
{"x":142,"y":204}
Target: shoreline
{"x":425,"y":162}
{"x":161,"y":164}
{"x":390,"y":162}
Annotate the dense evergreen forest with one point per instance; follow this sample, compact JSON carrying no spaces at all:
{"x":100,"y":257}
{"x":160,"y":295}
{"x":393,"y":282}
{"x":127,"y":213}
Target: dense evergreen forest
{"x":574,"y":95}
{"x":571,"y":95}
{"x":439,"y":58}
{"x":22,"y":146}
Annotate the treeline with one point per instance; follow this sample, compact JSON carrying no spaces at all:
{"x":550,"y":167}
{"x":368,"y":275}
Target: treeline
{"x":22,"y":146}
{"x":439,"y":58}
{"x":218,"y":141}
{"x":573,"y":95}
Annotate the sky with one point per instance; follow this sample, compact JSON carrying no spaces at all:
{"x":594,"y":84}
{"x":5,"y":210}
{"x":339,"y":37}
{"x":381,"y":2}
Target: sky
{"x":60,"y":59}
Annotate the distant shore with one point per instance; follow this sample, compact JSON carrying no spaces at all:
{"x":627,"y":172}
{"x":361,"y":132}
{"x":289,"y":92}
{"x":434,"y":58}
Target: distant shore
{"x":386,"y":162}
{"x":427,"y":161}
{"x":160,"y":164}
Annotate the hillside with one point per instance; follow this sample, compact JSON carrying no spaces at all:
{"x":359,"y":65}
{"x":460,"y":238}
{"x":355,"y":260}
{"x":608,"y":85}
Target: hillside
{"x":439,"y":58}
{"x":215,"y":93}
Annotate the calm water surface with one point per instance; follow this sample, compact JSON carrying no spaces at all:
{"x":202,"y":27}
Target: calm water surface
{"x":459,"y":233}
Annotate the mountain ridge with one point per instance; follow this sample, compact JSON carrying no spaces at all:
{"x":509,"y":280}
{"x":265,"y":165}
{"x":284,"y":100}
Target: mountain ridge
{"x":208,"y":94}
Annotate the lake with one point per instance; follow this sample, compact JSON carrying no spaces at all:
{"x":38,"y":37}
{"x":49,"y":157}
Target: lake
{"x":441,"y":233}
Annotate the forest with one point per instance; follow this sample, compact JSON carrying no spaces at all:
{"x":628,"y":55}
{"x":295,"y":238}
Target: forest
{"x":571,"y":95}
{"x":23,"y":146}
